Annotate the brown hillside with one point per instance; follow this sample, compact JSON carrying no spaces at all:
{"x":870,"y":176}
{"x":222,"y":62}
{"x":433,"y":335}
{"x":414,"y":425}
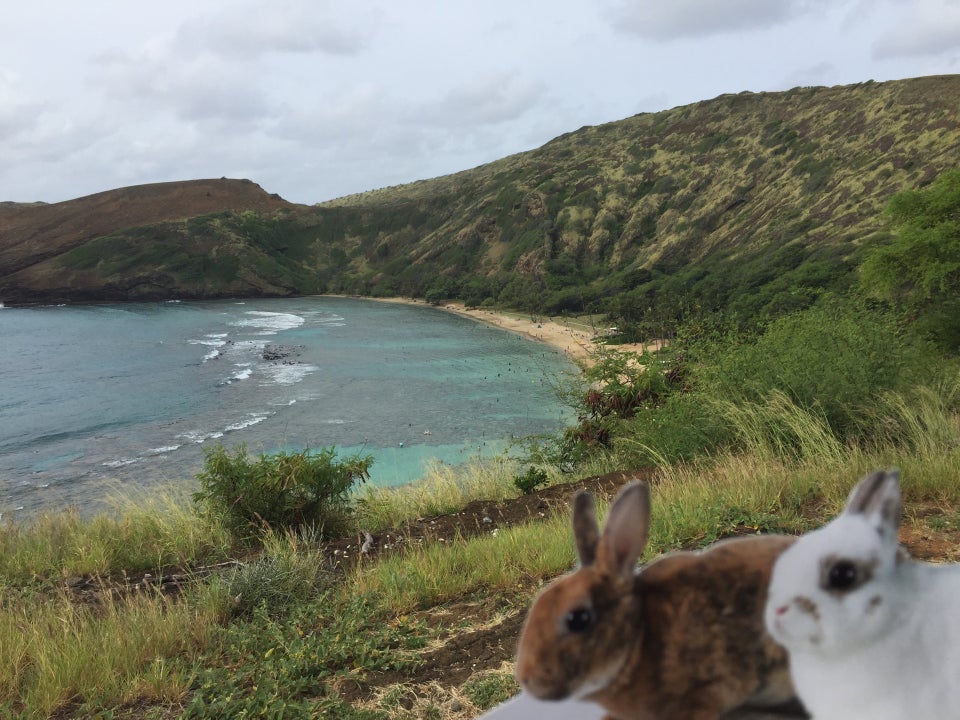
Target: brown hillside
{"x":30,"y":234}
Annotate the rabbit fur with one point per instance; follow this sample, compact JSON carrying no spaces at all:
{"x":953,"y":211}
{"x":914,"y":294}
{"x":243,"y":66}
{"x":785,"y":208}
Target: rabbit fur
{"x":870,"y":632}
{"x":682,"y":639}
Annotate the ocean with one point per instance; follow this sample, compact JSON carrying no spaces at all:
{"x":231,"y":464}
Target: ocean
{"x":97,"y":400}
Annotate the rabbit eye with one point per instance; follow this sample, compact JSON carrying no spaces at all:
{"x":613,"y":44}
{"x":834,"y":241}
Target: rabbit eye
{"x":843,"y":575}
{"x":579,"y":620}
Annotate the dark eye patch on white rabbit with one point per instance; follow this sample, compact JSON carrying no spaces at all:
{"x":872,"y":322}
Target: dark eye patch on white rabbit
{"x":840,"y":575}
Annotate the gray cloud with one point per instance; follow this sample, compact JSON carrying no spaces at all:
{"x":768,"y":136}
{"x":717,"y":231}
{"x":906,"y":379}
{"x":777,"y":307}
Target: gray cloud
{"x":927,"y":27}
{"x":193,"y":89}
{"x":317,"y":98}
{"x":663,"y":20}
{"x":487,"y":100}
{"x":260,"y":27}
{"x":353,"y":114}
{"x":18,"y":111}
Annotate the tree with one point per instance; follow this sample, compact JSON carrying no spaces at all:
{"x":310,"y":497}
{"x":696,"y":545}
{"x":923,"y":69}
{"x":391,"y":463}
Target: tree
{"x":919,"y":272}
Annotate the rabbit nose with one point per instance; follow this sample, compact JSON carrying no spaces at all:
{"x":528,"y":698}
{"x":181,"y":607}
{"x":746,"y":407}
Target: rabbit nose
{"x":782,"y":610}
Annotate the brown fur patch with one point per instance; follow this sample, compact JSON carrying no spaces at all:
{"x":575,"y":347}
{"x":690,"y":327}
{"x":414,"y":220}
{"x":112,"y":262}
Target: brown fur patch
{"x":808,"y":606}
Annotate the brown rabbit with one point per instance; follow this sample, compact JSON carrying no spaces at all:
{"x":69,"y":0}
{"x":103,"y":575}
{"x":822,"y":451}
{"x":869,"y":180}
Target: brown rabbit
{"x":681,"y":639}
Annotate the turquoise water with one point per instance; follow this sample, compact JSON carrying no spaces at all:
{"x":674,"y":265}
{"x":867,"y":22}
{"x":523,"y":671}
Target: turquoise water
{"x":105,"y":397}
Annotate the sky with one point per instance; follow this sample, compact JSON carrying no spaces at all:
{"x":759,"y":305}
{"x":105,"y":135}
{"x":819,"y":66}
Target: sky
{"x":316,"y":99}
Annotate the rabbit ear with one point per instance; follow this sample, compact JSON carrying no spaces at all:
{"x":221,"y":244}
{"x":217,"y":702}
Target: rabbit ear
{"x":585,"y":530}
{"x":877,"y":497}
{"x":625,"y":534}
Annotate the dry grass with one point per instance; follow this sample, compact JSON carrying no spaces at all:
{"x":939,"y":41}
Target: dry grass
{"x":54,"y":652}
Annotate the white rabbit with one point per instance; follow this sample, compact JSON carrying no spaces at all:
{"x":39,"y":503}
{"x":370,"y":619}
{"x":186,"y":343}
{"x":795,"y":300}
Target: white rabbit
{"x":871,"y":633}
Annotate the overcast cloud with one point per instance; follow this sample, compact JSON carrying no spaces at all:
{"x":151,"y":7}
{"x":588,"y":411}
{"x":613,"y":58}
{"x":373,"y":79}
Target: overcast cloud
{"x":314,"y":99}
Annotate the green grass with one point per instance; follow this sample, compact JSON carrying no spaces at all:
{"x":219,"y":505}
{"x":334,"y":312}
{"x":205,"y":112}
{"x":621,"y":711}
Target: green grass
{"x":142,"y":534}
{"x":278,"y":635}
{"x":443,"y":489}
{"x":514,"y":558}
{"x":56,"y":653}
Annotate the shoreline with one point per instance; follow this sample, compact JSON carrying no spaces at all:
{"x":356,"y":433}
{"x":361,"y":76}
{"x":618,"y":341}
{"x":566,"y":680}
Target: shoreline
{"x":578,"y":345}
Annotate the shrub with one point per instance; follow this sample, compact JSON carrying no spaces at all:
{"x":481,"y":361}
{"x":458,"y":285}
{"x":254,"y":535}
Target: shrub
{"x":534,"y":478}
{"x":684,"y":428}
{"x":286,"y":574}
{"x":277,"y":492}
{"x":617,"y":387}
{"x":835,"y":358}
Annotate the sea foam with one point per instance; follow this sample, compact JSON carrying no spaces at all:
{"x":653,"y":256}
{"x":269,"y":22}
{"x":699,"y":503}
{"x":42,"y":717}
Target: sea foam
{"x":287,"y":374}
{"x":269,"y":323}
{"x":255,"y":419}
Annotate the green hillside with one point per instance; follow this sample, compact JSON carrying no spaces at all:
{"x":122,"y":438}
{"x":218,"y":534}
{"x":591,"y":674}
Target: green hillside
{"x":755,"y":203}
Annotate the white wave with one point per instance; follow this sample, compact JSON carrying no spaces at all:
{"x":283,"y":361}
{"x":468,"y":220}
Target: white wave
{"x":198,"y":437}
{"x":212,"y":341}
{"x":283,"y":403}
{"x":250,"y":346}
{"x":243,"y":374}
{"x":208,"y":341}
{"x":287,"y":374}
{"x":335,"y":421}
{"x":164,"y":449}
{"x":255,"y":418}
{"x":269,"y":323}
{"x":121,"y":462}
{"x":328,"y":320}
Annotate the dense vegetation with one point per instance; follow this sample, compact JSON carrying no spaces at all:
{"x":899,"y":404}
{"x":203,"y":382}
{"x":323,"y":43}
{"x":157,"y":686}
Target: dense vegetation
{"x":845,"y":361}
{"x":750,"y":205}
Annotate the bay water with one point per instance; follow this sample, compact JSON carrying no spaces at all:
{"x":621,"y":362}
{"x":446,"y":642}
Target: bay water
{"x":100,"y":399}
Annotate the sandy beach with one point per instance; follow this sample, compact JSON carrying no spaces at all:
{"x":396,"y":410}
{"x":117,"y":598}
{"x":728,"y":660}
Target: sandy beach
{"x":568,"y":335}
{"x":576,"y":343}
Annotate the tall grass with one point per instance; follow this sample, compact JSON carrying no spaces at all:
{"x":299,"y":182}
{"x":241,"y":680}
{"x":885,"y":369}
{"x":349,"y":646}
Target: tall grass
{"x":693,"y":505}
{"x":924,"y":420}
{"x":143,"y":534}
{"x":443,"y":489}
{"x":513,"y":558}
{"x":780,"y":428}
{"x":288,"y":571}
{"x":54,"y":652}
{"x":917,"y":430}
